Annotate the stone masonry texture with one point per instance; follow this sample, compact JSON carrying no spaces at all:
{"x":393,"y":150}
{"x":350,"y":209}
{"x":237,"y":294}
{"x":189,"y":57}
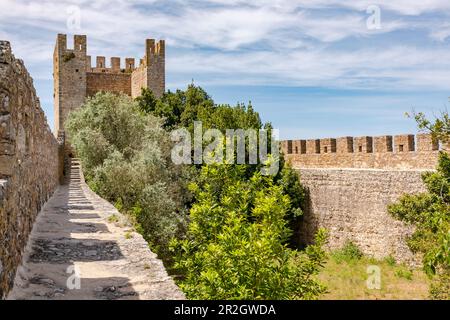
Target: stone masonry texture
{"x":75,"y":235}
{"x":30,"y":165}
{"x":402,"y":152}
{"x":72,"y":228}
{"x":352,"y":205}
{"x":351,"y":181}
{"x":75,"y":78}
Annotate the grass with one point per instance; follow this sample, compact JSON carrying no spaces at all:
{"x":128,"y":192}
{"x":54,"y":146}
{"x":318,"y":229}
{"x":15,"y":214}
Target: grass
{"x":128,"y":235}
{"x":346,"y":273}
{"x":113,"y":218}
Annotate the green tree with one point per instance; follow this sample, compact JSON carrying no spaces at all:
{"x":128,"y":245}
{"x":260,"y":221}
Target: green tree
{"x":439,"y":127}
{"x":429,"y":212}
{"x":236,"y":241}
{"x":182,"y":108}
{"x":236,"y":213}
{"x":126,"y":159}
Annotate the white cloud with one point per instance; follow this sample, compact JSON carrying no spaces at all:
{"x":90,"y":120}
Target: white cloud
{"x":399,"y":67}
{"x":295,"y":42}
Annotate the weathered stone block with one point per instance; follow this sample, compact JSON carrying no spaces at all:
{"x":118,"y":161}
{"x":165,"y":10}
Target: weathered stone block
{"x":363,"y":144}
{"x":404,"y":143}
{"x":383,"y":144}
{"x":313,"y":146}
{"x":327,"y":145}
{"x":284,"y":146}
{"x":100,"y":63}
{"x":425,"y":142}
{"x":115,"y":64}
{"x":299,"y":146}
{"x":344,"y":145}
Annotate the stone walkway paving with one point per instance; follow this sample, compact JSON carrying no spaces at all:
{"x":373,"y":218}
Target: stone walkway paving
{"x":77,"y":250}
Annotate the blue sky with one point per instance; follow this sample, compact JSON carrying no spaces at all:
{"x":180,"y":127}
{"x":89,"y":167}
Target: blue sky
{"x":314,"y":68}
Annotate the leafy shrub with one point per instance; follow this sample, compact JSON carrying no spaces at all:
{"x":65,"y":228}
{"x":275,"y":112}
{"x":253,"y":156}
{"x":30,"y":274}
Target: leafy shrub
{"x":404,"y":273}
{"x":228,"y":252}
{"x":348,"y":253}
{"x":429,"y":212}
{"x":126,"y":159}
{"x":390,"y":260}
{"x":440,"y":286}
{"x":235,"y":246}
{"x":182,"y":108}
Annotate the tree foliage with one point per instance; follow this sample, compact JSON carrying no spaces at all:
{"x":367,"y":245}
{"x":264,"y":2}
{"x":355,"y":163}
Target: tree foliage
{"x":240,"y":223}
{"x":194,"y":104}
{"x":429,"y":212}
{"x":439,"y":127}
{"x":126,"y":159}
{"x":236,"y":242}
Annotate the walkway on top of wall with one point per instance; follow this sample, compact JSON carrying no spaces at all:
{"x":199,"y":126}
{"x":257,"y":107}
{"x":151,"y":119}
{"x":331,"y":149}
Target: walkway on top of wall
{"x":74,"y":235}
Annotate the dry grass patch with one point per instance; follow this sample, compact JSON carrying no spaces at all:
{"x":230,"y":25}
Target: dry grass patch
{"x":345,"y":275}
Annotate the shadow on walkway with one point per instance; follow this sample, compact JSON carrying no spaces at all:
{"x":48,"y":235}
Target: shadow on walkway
{"x":74,"y":252}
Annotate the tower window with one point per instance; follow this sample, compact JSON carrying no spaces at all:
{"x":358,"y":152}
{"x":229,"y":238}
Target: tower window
{"x":360,"y":148}
{"x":400,"y":148}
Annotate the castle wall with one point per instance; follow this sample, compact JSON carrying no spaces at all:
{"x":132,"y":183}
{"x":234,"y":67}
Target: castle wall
{"x":350,"y":182}
{"x":138,"y":81}
{"x":111,"y":82}
{"x":155,"y":59}
{"x":30,"y":162}
{"x":386,"y":152}
{"x":69,"y":78}
{"x":75,"y":78}
{"x":352,"y":205}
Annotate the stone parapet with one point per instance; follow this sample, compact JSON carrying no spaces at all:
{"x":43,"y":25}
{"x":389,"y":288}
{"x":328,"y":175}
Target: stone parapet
{"x":29,"y":162}
{"x":383,"y":152}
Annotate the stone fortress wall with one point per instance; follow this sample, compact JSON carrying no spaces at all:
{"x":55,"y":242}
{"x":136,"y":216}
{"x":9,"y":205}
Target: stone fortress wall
{"x":383,"y":152}
{"x":75,"y":78}
{"x":350,"y":182}
{"x":31,"y":163}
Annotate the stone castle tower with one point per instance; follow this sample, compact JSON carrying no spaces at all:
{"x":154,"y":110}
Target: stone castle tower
{"x":75,"y":78}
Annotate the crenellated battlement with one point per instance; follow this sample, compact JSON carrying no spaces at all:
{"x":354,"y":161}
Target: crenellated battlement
{"x":75,"y":76}
{"x":115,"y":65}
{"x":154,"y":52}
{"x":382,"y":152}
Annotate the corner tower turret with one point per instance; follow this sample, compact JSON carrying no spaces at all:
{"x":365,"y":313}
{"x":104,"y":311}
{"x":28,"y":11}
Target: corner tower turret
{"x":75,"y":78}
{"x":69,"y":76}
{"x":151,"y":72}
